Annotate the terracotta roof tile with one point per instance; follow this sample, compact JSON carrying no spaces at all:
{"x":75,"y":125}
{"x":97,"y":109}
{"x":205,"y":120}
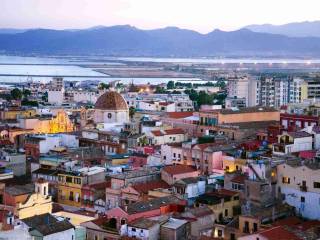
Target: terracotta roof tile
{"x":178,"y":169}
{"x":309,"y":224}
{"x":157,"y":133}
{"x":146,"y":187}
{"x":279,"y":233}
{"x":179,"y":114}
{"x":174,"y":131}
{"x":111,"y":101}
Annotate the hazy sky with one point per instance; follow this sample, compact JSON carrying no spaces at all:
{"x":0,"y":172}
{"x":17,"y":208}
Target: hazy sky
{"x":200,"y":15}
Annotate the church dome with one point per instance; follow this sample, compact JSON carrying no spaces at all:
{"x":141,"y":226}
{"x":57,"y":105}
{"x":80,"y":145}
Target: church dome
{"x":111,"y":101}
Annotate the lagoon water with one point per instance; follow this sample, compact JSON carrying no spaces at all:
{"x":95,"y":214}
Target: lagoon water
{"x":70,"y":67}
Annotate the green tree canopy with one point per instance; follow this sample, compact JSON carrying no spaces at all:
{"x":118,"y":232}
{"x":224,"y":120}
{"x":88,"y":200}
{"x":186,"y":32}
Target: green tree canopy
{"x":16,"y":94}
{"x":170,"y":85}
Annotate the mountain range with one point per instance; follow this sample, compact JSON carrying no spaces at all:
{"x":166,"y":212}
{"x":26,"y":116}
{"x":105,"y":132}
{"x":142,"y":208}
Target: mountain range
{"x":299,"y":29}
{"x":125,"y":40}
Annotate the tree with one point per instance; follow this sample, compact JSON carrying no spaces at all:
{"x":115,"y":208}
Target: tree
{"x":16,"y":94}
{"x":26,"y":102}
{"x":45,"y":97}
{"x":132,"y":111}
{"x":26,"y":93}
{"x":170,"y":85}
{"x":103,"y":86}
{"x":159,"y":90}
{"x":143,"y":141}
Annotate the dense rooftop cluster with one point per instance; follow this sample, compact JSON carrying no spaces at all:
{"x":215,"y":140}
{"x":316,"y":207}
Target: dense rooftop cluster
{"x":129,"y":162}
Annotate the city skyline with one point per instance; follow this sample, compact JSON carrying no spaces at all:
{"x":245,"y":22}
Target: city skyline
{"x":203,"y":16}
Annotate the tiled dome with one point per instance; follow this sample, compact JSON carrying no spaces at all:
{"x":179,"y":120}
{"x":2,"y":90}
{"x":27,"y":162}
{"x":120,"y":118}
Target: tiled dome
{"x":111,"y":101}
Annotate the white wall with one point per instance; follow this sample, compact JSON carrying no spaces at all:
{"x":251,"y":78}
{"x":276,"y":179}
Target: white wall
{"x":51,"y":142}
{"x":65,"y":235}
{"x":55,"y":97}
{"x":310,"y":209}
{"x":69,"y":140}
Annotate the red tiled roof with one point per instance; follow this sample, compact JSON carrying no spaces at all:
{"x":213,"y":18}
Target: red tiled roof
{"x":174,"y":131}
{"x":279,"y":233}
{"x":307,"y":154}
{"x":290,"y":221}
{"x":309,"y":224}
{"x":227,"y":192}
{"x":101,"y":220}
{"x":203,"y":146}
{"x":179,"y":114}
{"x":157,"y":133}
{"x":178,"y":169}
{"x":239,"y":179}
{"x":165,"y":103}
{"x":146,"y":187}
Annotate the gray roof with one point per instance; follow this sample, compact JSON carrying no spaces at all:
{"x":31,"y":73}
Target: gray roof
{"x":156,"y":203}
{"x":20,"y":189}
{"x":46,"y":224}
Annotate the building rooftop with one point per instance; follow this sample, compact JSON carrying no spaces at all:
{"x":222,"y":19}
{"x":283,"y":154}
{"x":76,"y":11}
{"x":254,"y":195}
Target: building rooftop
{"x":135,"y":174}
{"x":248,"y":110}
{"x":111,"y":101}
{"x":46,"y":224}
{"x":152,"y":204}
{"x":300,"y":134}
{"x":179,"y":114}
{"x":151,"y":185}
{"x":174,"y":223}
{"x":279,"y":233}
{"x":178,"y":169}
{"x":20,"y":189}
{"x":143,"y":223}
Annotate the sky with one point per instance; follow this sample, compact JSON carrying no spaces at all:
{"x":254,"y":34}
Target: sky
{"x":200,"y":15}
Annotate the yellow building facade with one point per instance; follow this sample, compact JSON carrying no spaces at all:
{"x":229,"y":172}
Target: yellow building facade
{"x":12,"y":114}
{"x":231,"y":164}
{"x":69,"y":189}
{"x":60,"y":123}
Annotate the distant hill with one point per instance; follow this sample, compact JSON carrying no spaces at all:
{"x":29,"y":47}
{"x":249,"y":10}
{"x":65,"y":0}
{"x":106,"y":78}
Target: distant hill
{"x":125,"y":40}
{"x":12,"y":30}
{"x":301,"y":29}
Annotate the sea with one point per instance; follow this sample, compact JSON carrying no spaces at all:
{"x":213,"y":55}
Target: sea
{"x":18,"y":69}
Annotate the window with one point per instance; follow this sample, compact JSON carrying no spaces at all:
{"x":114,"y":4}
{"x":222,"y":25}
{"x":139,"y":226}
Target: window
{"x":69,"y":179}
{"x":226,"y":212}
{"x":77,"y":180}
{"x":219,"y":233}
{"x":255,"y":227}
{"x":316,"y":184}
{"x":96,"y":237}
{"x":303,"y":199}
{"x":44,"y":190}
{"x":71,"y":196}
{"x":133,"y":229}
{"x":109,"y":115}
{"x":286,"y":180}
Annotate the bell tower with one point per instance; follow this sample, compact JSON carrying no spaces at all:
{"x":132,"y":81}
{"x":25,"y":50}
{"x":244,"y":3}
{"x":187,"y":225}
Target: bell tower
{"x":42,"y":187}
